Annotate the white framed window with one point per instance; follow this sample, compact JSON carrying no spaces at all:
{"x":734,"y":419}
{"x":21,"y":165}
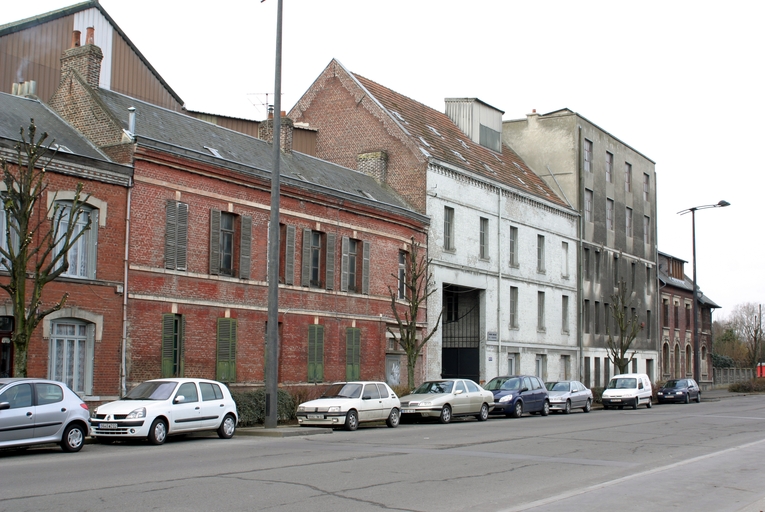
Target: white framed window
{"x":587,"y":155}
{"x":588,"y":205}
{"x":513,"y":307}
{"x":448,"y":228}
{"x":646,"y":187}
{"x":564,"y":259}
{"x":628,"y":221}
{"x":82,"y":254}
{"x":70,"y":357}
{"x":401,"y":274}
{"x":646,"y":230}
{"x":609,"y":167}
{"x":541,"y":311}
{"x":564,"y":313}
{"x":610,"y":214}
{"x":513,"y":246}
{"x":627,"y":177}
{"x":484,"y":241}
{"x":540,"y":253}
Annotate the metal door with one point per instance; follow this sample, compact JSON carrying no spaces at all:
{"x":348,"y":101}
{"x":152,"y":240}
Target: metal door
{"x":460,"y":337}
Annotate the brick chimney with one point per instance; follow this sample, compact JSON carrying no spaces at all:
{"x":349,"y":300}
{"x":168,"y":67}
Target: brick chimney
{"x":86,"y":60}
{"x":266,"y":131}
{"x":373,"y":164}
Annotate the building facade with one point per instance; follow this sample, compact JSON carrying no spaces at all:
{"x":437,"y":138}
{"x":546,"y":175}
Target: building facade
{"x":613,"y":187}
{"x":501,"y":242}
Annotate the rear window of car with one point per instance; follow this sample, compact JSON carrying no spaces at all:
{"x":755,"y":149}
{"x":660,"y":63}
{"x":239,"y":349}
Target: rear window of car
{"x":472,"y":387}
{"x":210,"y":391}
{"x":48,"y":393}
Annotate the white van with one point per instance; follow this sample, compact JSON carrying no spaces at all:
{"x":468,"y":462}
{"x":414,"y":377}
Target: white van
{"x":630,"y":389}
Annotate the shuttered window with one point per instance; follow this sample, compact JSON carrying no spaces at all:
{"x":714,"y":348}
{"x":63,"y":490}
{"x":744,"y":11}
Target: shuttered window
{"x":176,"y":235}
{"x":330,"y":273}
{"x":352,"y":353}
{"x":289,"y":256}
{"x":315,"y":353}
{"x":172,"y":345}
{"x":226,"y":353}
{"x":224,"y":244}
{"x":355,"y":266}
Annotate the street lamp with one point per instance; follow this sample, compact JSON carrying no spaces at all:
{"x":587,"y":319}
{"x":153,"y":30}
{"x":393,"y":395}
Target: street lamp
{"x":696,"y":340}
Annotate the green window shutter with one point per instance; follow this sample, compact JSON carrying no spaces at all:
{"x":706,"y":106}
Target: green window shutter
{"x":305,"y":278}
{"x":168,"y":351}
{"x":245,"y":247}
{"x":344,"y":265}
{"x":289,"y":256}
{"x":315,"y":353}
{"x":92,"y":247}
{"x":330,"y":285}
{"x":171,"y":220}
{"x":214,"y":242}
{"x":181,"y":236}
{"x":365,"y":268}
{"x":181,"y":343}
{"x":226,"y":370}
{"x":352,"y":353}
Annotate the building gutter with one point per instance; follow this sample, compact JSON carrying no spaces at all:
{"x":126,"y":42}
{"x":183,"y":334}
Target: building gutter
{"x":123,"y":358}
{"x":579,"y":250}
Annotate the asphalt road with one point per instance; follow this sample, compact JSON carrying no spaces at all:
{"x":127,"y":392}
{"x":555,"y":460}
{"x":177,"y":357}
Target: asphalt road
{"x":698,"y":457}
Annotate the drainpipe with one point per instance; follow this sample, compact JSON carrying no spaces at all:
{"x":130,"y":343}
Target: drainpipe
{"x":579,"y":282}
{"x":499,"y":277}
{"x":123,"y":362}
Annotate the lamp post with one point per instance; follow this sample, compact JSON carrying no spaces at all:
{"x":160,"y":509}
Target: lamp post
{"x":696,"y":338}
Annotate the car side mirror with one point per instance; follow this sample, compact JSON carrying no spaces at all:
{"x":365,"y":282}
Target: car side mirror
{"x":5,"y":405}
{"x":458,"y":392}
{"x":178,"y":399}
{"x":523,"y":390}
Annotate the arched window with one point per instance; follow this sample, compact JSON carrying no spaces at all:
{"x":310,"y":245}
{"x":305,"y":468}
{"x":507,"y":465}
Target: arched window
{"x":82,"y":254}
{"x":71,"y":354}
{"x":676,"y":374}
{"x":665,"y":359}
{"x":688,"y":360}
{"x":704,"y":361}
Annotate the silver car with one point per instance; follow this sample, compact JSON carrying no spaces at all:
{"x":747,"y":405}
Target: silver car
{"x":447,"y":398}
{"x":569,"y":394}
{"x":40,"y":411}
{"x":346,"y":404}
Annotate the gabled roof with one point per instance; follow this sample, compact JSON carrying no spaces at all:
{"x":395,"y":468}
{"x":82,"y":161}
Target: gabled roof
{"x":18,"y":26}
{"x":16,"y":112}
{"x":685,"y":284}
{"x":197,"y":139}
{"x":440,"y":140}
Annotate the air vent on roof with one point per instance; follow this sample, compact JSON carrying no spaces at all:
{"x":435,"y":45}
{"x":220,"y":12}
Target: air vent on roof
{"x":399,"y":116}
{"x":522,"y":183}
{"x":425,"y":142}
{"x":459,"y":155}
{"x":519,"y":167}
{"x":367,"y":195}
{"x":425,"y":152}
{"x":489,"y":168}
{"x":62,"y":149}
{"x":300,"y":176}
{"x":464,"y":144}
{"x":213,"y":151}
{"x":434,"y":131}
{"x":498,"y":159}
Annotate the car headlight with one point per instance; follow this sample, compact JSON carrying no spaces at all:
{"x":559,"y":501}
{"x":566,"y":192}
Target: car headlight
{"x":138,"y":413}
{"x":334,"y":408}
{"x":301,"y":408}
{"x":660,"y":393}
{"x":678,"y":392}
{"x":506,"y":398}
{"x":556,"y":399}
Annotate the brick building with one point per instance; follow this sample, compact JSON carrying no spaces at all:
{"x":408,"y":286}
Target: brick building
{"x":677,"y":323}
{"x":199,"y":213}
{"x":501,"y":241}
{"x":81,"y":343}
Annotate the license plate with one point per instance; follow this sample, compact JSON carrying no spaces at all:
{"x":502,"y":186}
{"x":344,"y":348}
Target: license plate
{"x":407,"y":411}
{"x":616,"y":399}
{"x":315,"y":416}
{"x":108,"y":425}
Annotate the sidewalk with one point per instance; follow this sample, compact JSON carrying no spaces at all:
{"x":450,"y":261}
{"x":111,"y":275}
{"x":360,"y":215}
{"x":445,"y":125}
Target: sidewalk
{"x":713,"y":395}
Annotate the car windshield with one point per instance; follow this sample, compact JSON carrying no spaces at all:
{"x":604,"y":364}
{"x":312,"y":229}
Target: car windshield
{"x":558,"y":386}
{"x":152,"y":390}
{"x":342,"y":390}
{"x":434,"y":387}
{"x":628,"y":383}
{"x":504,"y":384}
{"x":673,"y":384}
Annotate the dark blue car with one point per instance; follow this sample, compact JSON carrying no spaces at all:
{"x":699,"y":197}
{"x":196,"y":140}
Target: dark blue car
{"x":679,"y":390}
{"x":516,"y":394}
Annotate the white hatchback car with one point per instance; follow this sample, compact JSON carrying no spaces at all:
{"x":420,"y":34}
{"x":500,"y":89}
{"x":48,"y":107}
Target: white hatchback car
{"x":158,"y":408}
{"x":346,"y":404}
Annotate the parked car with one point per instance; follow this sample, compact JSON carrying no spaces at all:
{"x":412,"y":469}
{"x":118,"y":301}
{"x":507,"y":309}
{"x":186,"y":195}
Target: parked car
{"x":679,"y":390}
{"x":569,"y":394}
{"x":630,"y":389}
{"x":516,"y":394}
{"x":159,"y":408}
{"x":40,"y":411}
{"x":447,"y":398}
{"x":346,"y":404}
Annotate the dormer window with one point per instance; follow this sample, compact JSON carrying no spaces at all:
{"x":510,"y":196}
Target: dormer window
{"x":434,"y":131}
{"x":213,"y":152}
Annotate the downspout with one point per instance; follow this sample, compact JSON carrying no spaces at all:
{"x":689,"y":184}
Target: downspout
{"x":579,"y":282}
{"x":499,"y":277}
{"x":123,"y":362}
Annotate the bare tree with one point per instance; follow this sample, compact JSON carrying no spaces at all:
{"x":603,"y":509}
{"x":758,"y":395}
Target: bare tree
{"x":416,"y":287}
{"x":37,"y":239}
{"x":746,"y":321}
{"x":627,"y":326}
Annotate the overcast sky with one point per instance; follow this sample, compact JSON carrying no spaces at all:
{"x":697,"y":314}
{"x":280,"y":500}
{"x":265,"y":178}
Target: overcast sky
{"x":679,"y":81}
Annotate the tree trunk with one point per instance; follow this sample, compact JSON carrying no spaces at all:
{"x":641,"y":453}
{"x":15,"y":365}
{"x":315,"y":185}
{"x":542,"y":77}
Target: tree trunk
{"x":19,"y":359}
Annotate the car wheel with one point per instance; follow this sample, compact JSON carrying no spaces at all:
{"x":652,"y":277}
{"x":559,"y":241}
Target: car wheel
{"x":73,"y":438}
{"x":698,"y":397}
{"x":545,"y":409}
{"x":158,"y":431}
{"x":517,"y":410}
{"x":637,"y":402}
{"x":687,"y":398}
{"x":227,"y":427}
{"x":484,"y":414}
{"x":650,"y":403}
{"x":567,"y":410}
{"x":394,"y":418}
{"x":446,"y":414}
{"x":620,"y":407}
{"x":352,"y":420}
{"x":587,"y":406}
{"x":605,"y":407}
